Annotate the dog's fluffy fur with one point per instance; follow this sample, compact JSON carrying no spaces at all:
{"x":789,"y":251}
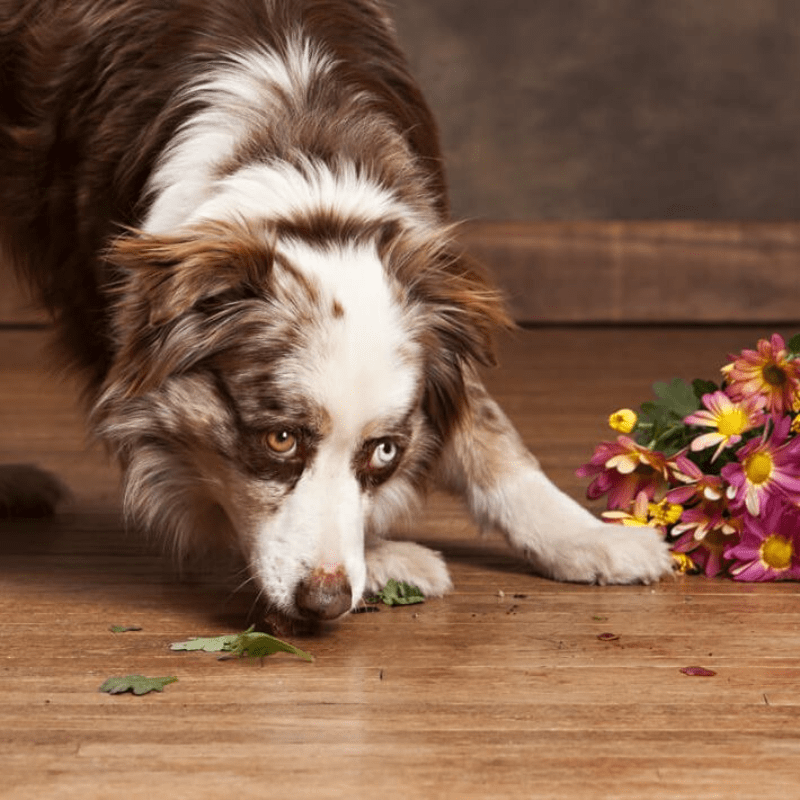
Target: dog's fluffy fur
{"x":236,"y":212}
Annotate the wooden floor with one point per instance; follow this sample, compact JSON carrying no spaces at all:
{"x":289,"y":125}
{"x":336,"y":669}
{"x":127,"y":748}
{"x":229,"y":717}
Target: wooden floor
{"x":501,"y":690}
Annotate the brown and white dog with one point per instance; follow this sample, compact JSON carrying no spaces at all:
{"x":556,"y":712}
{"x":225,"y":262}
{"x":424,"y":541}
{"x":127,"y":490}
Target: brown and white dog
{"x":236,"y":212}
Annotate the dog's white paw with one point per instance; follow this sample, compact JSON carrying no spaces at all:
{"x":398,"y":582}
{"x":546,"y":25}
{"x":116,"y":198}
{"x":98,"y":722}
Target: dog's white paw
{"x":407,"y":562}
{"x":605,"y":554}
{"x":27,"y":491}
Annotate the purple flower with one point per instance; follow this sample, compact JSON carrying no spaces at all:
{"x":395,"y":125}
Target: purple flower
{"x":624,"y":469}
{"x":767,"y":467}
{"x":769,"y":547}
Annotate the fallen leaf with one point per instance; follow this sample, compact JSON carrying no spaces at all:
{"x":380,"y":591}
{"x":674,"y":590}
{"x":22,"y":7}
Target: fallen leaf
{"x":124,"y":628}
{"x":258,"y":645}
{"x":214,"y":644}
{"x":700,"y":672}
{"x":397,"y":593}
{"x":137,"y":684}
{"x":248,"y":643}
{"x":608,"y":637}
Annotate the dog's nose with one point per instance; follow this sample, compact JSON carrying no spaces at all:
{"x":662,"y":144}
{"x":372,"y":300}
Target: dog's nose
{"x":325,"y":593}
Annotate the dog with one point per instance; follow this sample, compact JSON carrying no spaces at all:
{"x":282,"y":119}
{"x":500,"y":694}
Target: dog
{"x":236,"y":212}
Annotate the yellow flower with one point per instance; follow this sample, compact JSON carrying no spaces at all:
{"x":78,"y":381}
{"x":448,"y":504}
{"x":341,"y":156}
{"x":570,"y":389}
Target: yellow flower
{"x":729,"y":418}
{"x":664,"y":513}
{"x":623,"y":420}
{"x":684,"y":564}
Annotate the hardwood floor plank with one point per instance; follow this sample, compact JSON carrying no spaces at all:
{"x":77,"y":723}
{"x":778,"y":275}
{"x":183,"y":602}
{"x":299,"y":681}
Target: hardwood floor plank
{"x":500,"y":690}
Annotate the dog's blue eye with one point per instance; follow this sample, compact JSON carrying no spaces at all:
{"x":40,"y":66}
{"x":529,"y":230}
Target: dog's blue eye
{"x":384,"y":455}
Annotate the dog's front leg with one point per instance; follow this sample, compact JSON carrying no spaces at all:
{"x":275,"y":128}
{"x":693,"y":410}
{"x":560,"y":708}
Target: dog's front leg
{"x":486,"y":462}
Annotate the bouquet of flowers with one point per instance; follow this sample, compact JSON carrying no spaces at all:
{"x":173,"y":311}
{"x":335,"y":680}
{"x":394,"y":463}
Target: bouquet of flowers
{"x":715,"y":467}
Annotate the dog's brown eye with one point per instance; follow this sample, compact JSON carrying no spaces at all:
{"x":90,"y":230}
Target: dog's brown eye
{"x":282,"y":442}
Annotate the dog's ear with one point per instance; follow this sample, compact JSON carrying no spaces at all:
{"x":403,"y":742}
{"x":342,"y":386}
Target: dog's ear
{"x":461,"y":313}
{"x":165,"y":290}
{"x":166,"y":276}
{"x":466,"y":313}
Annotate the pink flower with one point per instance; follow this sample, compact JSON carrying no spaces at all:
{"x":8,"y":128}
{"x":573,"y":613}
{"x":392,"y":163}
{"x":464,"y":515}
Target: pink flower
{"x":707,"y":517}
{"x":765,"y":373}
{"x":624,"y":469}
{"x":697,"y":485}
{"x":705,"y":531}
{"x":730,"y":420}
{"x":769,"y":548}
{"x":638,"y":516}
{"x":708,"y":553}
{"x":766,"y":467}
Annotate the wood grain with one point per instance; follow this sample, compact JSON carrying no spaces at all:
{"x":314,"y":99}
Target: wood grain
{"x":651,"y":272}
{"x":614,"y":271}
{"x":500,"y":690}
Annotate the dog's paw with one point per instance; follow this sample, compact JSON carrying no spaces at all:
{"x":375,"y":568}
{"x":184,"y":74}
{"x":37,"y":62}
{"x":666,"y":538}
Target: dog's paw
{"x":407,"y":562}
{"x":609,"y":554}
{"x":27,"y":491}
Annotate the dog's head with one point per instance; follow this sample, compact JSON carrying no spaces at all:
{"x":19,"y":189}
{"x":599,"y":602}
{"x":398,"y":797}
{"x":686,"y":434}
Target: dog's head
{"x":289,"y":387}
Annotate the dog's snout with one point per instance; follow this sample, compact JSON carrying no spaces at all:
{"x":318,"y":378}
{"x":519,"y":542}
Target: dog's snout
{"x":325,"y":593}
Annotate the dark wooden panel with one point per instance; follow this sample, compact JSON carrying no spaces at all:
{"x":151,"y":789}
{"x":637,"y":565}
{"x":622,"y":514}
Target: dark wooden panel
{"x":611,"y":272}
{"x":673,"y":272}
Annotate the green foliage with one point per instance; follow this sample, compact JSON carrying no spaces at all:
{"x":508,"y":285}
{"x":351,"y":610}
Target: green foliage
{"x":702,"y":387}
{"x":397,"y":593}
{"x":248,"y":643}
{"x":660,"y":426}
{"x":137,"y":684}
{"x":214,"y":644}
{"x":677,"y":396}
{"x":793,"y":346}
{"x":258,"y":645}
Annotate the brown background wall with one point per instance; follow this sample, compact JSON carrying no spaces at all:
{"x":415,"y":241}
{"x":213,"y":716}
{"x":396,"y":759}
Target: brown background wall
{"x":601,"y":111}
{"x":614,"y":109}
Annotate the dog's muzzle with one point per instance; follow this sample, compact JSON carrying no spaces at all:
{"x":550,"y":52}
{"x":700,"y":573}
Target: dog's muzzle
{"x":324,"y":594}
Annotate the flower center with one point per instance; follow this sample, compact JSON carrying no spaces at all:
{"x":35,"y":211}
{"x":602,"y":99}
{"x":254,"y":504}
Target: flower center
{"x":733,"y":422}
{"x":758,"y":468}
{"x":776,"y":552}
{"x":715,"y":542}
{"x":774,"y":375}
{"x":664,"y":513}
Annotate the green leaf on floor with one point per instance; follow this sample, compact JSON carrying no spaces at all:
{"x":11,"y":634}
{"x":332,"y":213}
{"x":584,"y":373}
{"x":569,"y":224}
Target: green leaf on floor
{"x":397,"y":593}
{"x":213,"y":644}
{"x":258,"y":645}
{"x":137,"y":684}
{"x":248,"y":643}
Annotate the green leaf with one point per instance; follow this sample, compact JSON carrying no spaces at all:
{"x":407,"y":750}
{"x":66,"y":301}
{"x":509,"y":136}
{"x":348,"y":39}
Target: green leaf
{"x":214,"y":644}
{"x":677,"y":396}
{"x":124,"y":628}
{"x":249,"y":642}
{"x":701,"y":387}
{"x":137,"y":684}
{"x":793,"y":345}
{"x":260,"y":645}
{"x":397,"y":593}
